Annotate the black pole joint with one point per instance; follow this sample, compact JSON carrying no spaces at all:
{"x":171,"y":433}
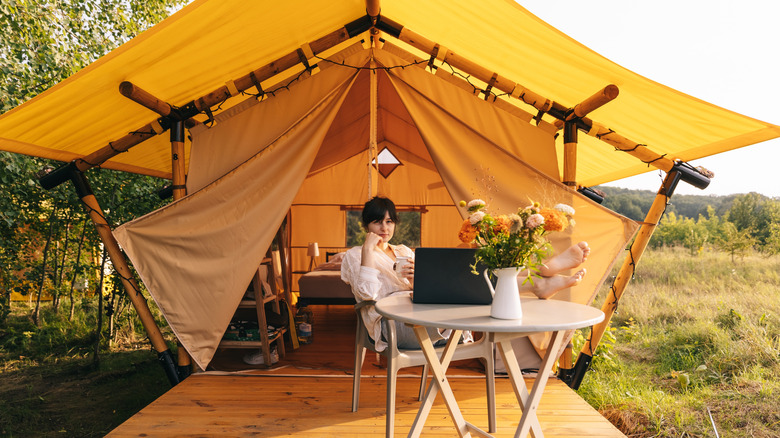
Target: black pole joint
{"x":558,"y":111}
{"x":57,"y":176}
{"x":177,"y":131}
{"x":183,"y":371}
{"x":570,"y":131}
{"x":389,"y":26}
{"x":169,"y":366}
{"x":691,"y":175}
{"x":165,"y":192}
{"x":573,"y":377}
{"x":594,"y":195}
{"x":362,"y":24}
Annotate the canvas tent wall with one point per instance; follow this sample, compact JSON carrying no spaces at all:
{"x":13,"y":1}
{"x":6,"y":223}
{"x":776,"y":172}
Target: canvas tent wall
{"x":197,"y":255}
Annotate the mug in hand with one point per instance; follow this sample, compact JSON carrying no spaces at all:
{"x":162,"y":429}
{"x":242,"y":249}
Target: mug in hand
{"x":400,"y":262}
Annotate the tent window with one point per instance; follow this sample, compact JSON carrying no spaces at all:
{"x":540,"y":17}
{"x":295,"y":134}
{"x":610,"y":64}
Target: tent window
{"x":387,"y":162}
{"x":407,"y":231}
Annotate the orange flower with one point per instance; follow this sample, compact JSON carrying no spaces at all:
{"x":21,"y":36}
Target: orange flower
{"x":467,"y":232}
{"x":554,"y":220}
{"x":503,"y":224}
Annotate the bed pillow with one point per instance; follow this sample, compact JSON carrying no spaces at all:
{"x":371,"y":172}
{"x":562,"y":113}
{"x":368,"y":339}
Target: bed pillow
{"x":334,"y":264}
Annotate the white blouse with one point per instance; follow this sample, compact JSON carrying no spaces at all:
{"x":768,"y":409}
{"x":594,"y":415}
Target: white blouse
{"x":374,"y":284}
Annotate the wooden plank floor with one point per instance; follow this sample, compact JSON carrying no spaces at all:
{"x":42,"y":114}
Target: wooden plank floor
{"x":308,"y":394}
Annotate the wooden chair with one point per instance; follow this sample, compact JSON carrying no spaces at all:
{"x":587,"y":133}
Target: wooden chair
{"x":397,"y":359}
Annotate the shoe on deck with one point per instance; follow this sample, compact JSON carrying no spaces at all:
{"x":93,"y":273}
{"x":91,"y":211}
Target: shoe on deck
{"x":258,"y":359}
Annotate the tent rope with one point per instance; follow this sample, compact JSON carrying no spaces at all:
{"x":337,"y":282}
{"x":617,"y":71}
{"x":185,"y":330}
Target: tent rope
{"x":87,"y":162}
{"x":343,"y":64}
{"x":630,"y":250}
{"x":660,"y":157}
{"x":262,"y":94}
{"x":90,"y":209}
{"x":589,"y":343}
{"x":633,"y":149}
{"x":475,"y":89}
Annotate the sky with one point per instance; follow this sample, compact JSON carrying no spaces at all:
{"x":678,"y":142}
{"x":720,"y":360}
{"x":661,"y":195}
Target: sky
{"x":721,"y":51}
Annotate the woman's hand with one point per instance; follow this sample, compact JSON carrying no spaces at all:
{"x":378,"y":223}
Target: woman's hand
{"x":367,"y":254}
{"x":372,"y":240}
{"x":407,"y":271}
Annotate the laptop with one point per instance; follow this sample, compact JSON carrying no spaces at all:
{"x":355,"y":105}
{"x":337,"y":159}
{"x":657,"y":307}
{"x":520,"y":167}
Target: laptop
{"x":443,"y":276}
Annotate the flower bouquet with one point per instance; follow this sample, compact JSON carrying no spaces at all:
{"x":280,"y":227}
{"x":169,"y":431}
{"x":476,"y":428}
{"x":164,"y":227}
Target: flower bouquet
{"x":506,"y":244}
{"x":516,"y":240}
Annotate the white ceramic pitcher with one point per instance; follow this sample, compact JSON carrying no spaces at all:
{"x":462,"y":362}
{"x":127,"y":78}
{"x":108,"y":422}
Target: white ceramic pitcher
{"x":506,"y":295}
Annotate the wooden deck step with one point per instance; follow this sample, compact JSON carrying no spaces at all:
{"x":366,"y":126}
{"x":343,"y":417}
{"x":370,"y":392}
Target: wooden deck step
{"x":269,"y":406}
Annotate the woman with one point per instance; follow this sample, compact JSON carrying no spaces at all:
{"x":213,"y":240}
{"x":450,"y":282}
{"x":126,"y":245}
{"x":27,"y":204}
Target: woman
{"x":369,"y":269}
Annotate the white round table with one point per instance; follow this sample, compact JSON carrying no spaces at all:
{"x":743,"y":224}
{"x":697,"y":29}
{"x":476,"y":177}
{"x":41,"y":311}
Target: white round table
{"x":538,"y":316}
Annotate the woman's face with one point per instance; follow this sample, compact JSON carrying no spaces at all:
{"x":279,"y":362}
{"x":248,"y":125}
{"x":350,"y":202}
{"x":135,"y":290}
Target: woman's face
{"x":383,"y":228}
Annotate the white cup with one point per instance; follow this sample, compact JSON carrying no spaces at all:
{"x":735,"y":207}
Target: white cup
{"x":400,"y":262}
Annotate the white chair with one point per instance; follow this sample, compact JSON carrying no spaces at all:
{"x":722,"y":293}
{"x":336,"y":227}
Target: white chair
{"x":397,"y":359}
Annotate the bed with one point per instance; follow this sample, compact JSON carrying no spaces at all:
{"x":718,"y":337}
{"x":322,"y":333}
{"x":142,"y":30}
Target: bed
{"x":323,"y":285}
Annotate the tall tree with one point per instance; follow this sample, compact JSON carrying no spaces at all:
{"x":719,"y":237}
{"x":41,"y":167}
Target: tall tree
{"x":744,"y":212}
{"x":45,"y":41}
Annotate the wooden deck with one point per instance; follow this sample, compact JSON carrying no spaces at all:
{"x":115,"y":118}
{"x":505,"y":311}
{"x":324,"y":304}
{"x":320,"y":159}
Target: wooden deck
{"x":308,"y":394}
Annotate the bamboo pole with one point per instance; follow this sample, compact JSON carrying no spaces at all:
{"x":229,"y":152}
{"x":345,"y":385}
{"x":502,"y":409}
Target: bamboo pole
{"x":570,"y":155}
{"x":597,"y":100}
{"x":178,"y":170}
{"x":120,"y":264}
{"x":635,"y":251}
{"x":373,"y":7}
{"x":144,"y":98}
{"x":594,"y":102}
{"x":183,"y":360}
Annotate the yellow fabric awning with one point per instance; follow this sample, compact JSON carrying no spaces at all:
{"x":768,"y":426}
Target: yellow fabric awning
{"x":210,"y":42}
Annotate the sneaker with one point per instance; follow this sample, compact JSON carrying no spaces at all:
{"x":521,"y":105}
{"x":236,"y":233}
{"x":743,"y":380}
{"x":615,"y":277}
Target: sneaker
{"x":258,"y":359}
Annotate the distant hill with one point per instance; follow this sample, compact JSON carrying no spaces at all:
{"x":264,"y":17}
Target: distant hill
{"x":636,"y":203}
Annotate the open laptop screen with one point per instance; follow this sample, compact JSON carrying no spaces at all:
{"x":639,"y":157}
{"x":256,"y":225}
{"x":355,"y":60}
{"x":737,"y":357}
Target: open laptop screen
{"x":443,"y":276}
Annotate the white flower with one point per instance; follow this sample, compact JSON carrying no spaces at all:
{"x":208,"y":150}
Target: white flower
{"x":476,"y":204}
{"x":534,"y":221}
{"x":476,"y":217}
{"x":566,"y":209}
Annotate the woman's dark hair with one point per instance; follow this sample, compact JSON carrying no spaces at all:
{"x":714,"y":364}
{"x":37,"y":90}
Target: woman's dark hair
{"x":375,"y":209}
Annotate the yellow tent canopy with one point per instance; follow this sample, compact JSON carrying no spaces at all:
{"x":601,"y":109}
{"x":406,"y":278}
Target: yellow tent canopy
{"x":208,"y":43}
{"x":305,"y":143}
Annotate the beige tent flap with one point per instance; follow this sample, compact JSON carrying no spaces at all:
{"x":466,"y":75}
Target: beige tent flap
{"x":197,"y":255}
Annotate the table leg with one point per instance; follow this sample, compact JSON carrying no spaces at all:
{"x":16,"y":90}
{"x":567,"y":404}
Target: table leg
{"x":430,"y":395}
{"x":518,"y":384}
{"x":439,"y":371}
{"x":529,"y":418}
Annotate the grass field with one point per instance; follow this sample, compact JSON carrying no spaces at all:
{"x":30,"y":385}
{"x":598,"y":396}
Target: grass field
{"x":693,"y":336}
